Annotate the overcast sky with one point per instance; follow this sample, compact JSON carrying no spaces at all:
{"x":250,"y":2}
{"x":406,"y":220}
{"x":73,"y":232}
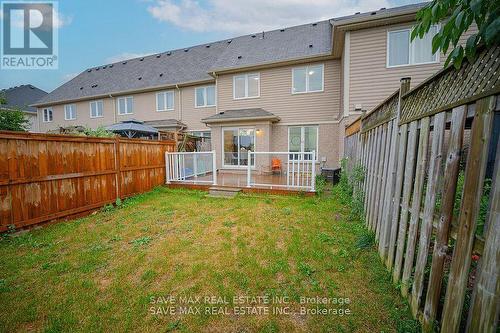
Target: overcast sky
{"x":96,"y":32}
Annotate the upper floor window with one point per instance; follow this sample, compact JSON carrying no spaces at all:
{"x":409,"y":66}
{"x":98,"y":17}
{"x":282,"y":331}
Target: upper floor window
{"x":125,"y":105}
{"x":70,"y":112}
{"x":204,"y":96}
{"x":96,"y":109}
{"x":402,"y":52}
{"x":307,"y":79}
{"x":47,"y":115}
{"x":246,"y":86}
{"x":165,"y":101}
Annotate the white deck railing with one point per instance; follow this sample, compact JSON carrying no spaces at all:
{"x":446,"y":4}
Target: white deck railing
{"x":299,"y":169}
{"x":191,"y":167}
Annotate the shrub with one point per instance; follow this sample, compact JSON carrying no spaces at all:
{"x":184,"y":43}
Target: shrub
{"x":320,"y":184}
{"x":99,"y":132}
{"x":13,"y":120}
{"x":350,"y":191}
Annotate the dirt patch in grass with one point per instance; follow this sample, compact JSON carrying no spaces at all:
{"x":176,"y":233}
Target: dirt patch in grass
{"x":107,"y":271}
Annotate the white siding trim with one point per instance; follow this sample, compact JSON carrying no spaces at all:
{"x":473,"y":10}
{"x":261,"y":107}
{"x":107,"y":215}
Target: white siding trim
{"x":346,"y":72}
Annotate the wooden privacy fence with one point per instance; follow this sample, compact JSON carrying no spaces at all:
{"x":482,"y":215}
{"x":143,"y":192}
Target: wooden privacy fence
{"x":426,"y":154}
{"x":46,"y":177}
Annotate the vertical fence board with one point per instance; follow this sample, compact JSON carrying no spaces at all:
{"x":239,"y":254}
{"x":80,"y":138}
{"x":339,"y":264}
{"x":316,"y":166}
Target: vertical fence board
{"x":398,"y":189}
{"x":473,"y":185}
{"x":405,"y":202}
{"x":369,"y":180}
{"x":383,"y":179}
{"x":445,"y":216}
{"x":378,"y":182}
{"x":485,"y":305}
{"x":429,"y":205}
{"x":375,"y":169}
{"x":418,"y":187}
{"x":389,"y":192}
{"x":367,"y":169}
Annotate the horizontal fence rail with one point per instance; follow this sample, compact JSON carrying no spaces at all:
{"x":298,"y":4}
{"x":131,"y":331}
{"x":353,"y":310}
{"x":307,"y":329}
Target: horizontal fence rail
{"x":191,"y":167}
{"x":431,"y":166}
{"x":46,"y":177}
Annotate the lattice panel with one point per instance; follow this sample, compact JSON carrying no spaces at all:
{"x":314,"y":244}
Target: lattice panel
{"x":382,"y":114}
{"x":450,"y":87}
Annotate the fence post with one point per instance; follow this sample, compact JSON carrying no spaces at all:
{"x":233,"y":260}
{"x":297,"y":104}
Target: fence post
{"x":214,"y":167}
{"x":313,"y":172}
{"x":392,"y":190}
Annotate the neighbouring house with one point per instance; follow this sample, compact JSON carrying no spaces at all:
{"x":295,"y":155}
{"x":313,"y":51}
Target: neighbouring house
{"x":21,"y":98}
{"x":287,"y":90}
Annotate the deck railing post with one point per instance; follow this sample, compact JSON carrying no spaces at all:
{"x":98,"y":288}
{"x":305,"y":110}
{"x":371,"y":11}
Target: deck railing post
{"x":167,"y":167}
{"x":195,"y":166}
{"x":249,"y":169}
{"x":313,"y":172}
{"x":214,"y":168}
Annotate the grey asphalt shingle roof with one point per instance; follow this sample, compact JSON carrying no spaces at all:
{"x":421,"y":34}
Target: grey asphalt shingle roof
{"x":377,"y":13}
{"x":170,"y":68}
{"x":241,"y":114}
{"x":22,"y":96}
{"x":307,"y":40}
{"x":179,"y":66}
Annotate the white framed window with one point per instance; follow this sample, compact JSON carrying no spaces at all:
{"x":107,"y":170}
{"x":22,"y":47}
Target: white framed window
{"x":204,"y":96}
{"x":165,"y":101}
{"x":70,"y":112}
{"x":401,"y":51}
{"x":303,"y":139}
{"x":96,"y":109}
{"x":47,"y":115}
{"x":307,"y":79}
{"x":246,"y":86}
{"x":125,"y":105}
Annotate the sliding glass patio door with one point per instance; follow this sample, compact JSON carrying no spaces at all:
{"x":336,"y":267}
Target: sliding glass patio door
{"x":237,"y":142}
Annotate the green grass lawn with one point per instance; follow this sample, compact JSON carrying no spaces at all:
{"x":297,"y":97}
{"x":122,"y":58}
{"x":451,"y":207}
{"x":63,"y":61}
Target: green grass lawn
{"x":113,"y":271}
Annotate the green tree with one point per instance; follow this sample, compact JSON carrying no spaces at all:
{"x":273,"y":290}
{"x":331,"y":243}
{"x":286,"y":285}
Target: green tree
{"x":3,"y":100}
{"x":456,"y":17}
{"x":13,"y":120}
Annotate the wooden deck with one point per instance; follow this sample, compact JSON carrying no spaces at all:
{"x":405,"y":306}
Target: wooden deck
{"x":275,"y":184}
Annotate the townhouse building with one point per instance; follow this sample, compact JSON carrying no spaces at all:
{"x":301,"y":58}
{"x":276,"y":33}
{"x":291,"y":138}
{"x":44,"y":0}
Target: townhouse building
{"x":287,"y":90}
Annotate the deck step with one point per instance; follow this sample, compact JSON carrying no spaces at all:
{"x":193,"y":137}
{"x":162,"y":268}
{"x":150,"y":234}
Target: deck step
{"x":223,"y":192}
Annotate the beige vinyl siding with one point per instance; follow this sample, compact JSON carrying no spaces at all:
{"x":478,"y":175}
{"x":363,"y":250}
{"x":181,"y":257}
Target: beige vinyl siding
{"x":144,"y":109}
{"x":191,"y":115}
{"x":370,"y":80}
{"x":82,"y":116}
{"x":276,"y":95}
